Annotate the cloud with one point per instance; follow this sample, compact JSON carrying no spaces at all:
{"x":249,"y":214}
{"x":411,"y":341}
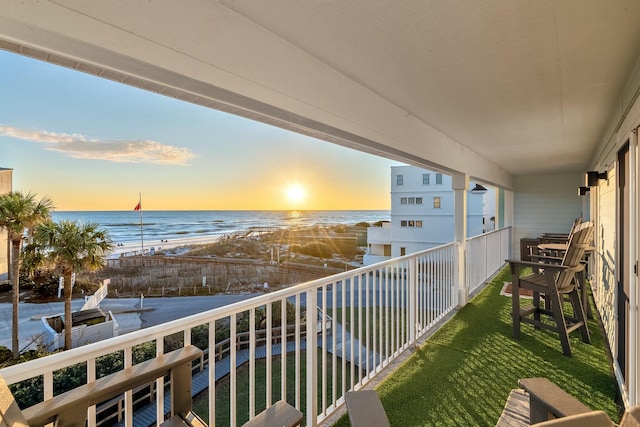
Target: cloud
{"x":121,"y":151}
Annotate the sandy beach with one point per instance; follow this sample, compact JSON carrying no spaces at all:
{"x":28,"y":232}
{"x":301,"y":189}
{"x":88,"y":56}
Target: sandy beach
{"x":128,"y":249}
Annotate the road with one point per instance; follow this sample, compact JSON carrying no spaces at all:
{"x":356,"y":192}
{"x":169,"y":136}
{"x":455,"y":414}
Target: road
{"x":126,"y":311}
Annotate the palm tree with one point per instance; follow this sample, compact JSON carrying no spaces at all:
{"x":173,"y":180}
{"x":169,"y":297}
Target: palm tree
{"x":20,"y":212}
{"x":72,"y":247}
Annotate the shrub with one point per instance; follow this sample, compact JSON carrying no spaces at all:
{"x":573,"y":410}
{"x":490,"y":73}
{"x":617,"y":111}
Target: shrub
{"x":315,"y":249}
{"x":5,"y":354}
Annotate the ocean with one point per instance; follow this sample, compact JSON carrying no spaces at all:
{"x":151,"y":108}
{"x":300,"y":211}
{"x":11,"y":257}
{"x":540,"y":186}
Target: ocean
{"x":168,"y":226}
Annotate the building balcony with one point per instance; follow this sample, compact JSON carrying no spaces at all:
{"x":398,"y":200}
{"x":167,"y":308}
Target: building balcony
{"x":365,"y":322}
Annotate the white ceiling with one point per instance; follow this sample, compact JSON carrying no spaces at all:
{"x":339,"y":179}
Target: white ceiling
{"x":493,"y":88}
{"x":497,"y":76}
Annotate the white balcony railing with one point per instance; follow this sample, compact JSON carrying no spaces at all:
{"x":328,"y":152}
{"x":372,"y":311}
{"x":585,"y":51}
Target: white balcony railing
{"x":484,"y":255}
{"x":361,"y":320}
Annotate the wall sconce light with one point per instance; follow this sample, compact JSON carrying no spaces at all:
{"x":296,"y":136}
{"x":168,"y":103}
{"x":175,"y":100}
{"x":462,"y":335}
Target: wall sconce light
{"x":582,"y":191}
{"x":478,"y":189}
{"x":592,"y":177}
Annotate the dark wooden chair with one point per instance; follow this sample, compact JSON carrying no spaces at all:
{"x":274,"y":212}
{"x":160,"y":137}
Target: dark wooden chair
{"x":553,"y":281}
{"x":70,"y":408}
{"x":560,"y":237}
{"x":365,"y":409}
{"x":540,"y":402}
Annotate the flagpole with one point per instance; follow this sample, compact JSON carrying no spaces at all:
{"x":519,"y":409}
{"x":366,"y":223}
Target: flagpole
{"x":140,"y":210}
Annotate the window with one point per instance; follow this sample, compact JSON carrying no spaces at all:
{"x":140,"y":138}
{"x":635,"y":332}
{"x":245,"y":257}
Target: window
{"x":436,"y":202}
{"x":400,"y":180}
{"x":438,"y":178}
{"x":425,"y":179}
{"x":410,"y":200}
{"x":403,"y":223}
{"x":419,"y":224}
{"x":411,"y":223}
{"x":403,"y":251}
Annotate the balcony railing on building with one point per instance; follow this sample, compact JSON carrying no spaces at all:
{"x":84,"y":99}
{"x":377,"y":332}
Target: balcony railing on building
{"x":342,"y":331}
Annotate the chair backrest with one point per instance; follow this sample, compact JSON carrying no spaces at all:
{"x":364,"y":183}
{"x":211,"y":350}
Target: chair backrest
{"x":578,"y":243}
{"x":574,"y":226}
{"x":10,"y":414}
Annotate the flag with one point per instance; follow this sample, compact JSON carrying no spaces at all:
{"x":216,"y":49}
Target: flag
{"x":138,"y":207}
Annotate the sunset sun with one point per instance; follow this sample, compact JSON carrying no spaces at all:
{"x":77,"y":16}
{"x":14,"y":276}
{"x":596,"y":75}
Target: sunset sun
{"x":295,"y":193}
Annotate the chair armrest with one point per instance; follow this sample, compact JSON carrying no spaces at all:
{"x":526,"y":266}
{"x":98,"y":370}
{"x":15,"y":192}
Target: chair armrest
{"x":547,"y":400}
{"x":533,"y":264}
{"x":590,"y":419}
{"x":546,"y":258}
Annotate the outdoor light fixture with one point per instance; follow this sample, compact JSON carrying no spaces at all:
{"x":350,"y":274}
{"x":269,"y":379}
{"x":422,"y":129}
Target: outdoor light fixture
{"x":583,"y":191}
{"x":478,"y":189}
{"x":593,"y":177}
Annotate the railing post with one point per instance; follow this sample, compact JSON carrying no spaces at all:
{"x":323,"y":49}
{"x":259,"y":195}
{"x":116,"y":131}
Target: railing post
{"x":459,"y":277}
{"x":312,"y":356}
{"x":460,"y":184}
{"x":413,"y":299}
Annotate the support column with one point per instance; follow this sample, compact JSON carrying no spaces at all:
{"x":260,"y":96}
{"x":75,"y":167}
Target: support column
{"x":460,"y":185}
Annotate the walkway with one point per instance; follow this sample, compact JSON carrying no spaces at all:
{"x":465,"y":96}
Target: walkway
{"x":200,"y":382}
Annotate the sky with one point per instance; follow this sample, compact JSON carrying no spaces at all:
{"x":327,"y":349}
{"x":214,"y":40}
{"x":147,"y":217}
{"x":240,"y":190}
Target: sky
{"x":93,"y":144}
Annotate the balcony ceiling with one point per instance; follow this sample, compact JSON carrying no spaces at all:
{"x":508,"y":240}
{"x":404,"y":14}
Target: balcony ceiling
{"x":525,"y":86}
{"x":501,"y":77}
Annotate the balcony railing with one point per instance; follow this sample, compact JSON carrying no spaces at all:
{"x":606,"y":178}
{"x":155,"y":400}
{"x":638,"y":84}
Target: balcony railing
{"x":347,"y":328}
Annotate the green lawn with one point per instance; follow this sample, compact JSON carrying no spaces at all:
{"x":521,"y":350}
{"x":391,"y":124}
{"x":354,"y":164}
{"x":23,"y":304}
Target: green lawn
{"x":463,"y":374}
{"x":201,"y":403}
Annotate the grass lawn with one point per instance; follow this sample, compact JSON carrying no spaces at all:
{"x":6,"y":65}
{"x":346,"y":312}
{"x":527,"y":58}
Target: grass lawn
{"x":463,"y":374}
{"x":201,"y":403}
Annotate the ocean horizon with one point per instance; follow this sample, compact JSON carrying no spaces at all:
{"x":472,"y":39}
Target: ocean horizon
{"x":170,"y":225}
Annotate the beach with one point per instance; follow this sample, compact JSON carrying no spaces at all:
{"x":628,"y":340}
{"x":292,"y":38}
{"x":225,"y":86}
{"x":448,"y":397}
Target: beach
{"x":168,"y":232}
{"x":157,"y":245}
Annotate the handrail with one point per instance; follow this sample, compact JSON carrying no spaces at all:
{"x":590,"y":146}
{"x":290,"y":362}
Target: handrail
{"x":376,"y":312}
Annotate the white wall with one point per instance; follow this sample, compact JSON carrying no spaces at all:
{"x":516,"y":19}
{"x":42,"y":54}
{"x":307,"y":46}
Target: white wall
{"x":604,"y":271}
{"x":545,"y":204}
{"x":437,"y":223}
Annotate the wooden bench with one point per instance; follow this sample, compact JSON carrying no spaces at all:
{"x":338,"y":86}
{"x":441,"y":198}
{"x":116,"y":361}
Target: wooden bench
{"x":365,"y":409}
{"x":281,"y":414}
{"x":70,"y":408}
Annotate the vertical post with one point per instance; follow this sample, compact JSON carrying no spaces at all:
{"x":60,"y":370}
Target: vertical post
{"x":312,"y":357}
{"x":412,"y":327}
{"x":140,"y":210}
{"x":634,"y":320}
{"x":128,"y":395}
{"x":91,"y":377}
{"x":460,"y":185}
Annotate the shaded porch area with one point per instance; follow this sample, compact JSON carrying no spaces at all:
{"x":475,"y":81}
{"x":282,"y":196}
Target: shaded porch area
{"x":463,"y":373}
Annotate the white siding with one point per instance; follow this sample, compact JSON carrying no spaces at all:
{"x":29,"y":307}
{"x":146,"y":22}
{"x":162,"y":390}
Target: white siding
{"x":545,"y":204}
{"x":604,"y":283}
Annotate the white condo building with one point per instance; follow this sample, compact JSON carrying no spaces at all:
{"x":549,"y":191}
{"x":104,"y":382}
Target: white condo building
{"x":422,"y":214}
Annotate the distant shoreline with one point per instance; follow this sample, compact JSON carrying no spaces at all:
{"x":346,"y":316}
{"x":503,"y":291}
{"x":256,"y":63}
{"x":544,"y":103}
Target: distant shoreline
{"x":127,"y":249}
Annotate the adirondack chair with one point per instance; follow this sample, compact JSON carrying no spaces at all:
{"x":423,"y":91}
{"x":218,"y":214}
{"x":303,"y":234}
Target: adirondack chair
{"x":70,"y":408}
{"x":540,"y":402}
{"x":560,"y":237}
{"x":553,"y":281}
